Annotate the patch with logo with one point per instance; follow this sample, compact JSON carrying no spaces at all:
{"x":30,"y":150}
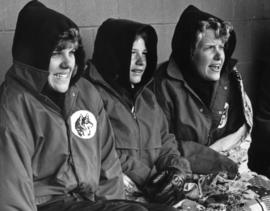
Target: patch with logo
{"x":224,"y":116}
{"x":83,"y":124}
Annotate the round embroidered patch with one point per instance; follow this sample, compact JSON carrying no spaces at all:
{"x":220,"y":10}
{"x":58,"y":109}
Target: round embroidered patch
{"x":83,"y":124}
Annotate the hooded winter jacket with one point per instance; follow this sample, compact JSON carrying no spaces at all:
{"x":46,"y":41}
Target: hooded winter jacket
{"x":197,"y":110}
{"x":143,"y":141}
{"x":48,"y":153}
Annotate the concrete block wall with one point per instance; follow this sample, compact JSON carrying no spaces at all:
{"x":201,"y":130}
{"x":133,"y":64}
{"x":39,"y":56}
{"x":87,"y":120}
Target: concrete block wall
{"x":251,"y":20}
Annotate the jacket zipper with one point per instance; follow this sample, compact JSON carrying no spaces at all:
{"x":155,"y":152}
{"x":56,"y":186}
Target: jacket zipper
{"x":134,"y":116}
{"x":133,"y":113}
{"x":70,"y":156}
{"x":210,"y":133}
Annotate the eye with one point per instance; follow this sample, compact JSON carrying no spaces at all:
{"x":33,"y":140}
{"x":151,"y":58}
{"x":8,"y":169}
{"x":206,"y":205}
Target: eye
{"x":56,"y":53}
{"x":72,"y":52}
{"x":222,"y":47}
{"x":145,"y":53}
{"x":133,"y":54}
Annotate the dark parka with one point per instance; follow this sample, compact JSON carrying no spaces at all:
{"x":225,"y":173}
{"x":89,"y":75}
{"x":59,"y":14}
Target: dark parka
{"x":143,"y":142}
{"x":48,"y":152}
{"x":197,"y":110}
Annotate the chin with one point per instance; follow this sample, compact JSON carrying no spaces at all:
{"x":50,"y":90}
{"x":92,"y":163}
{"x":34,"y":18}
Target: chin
{"x":136,"y":81}
{"x":61,"y":89}
{"x":214,"y":77}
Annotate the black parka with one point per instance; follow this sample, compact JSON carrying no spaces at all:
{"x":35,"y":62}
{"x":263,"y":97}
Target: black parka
{"x":48,"y":153}
{"x":181,"y":94}
{"x":143,"y":141}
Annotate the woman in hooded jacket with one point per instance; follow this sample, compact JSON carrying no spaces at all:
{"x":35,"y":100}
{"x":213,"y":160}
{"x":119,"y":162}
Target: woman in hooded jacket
{"x":124,"y":61}
{"x":56,"y":147}
{"x":201,"y":92}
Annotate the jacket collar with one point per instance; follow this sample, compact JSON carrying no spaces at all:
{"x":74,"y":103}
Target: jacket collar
{"x":96,"y":77}
{"x":173,"y":70}
{"x":30,"y":76}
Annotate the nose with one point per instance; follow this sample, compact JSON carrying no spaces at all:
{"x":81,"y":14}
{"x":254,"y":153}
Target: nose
{"x":66,"y":62}
{"x":217,"y":54}
{"x":140,"y":59}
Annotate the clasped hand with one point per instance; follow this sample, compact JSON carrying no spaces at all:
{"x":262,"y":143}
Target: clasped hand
{"x":165,"y":187}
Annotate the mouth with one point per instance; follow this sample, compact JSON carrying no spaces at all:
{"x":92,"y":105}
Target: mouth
{"x":137,"y":71}
{"x":215,"y":67}
{"x":62,"y":75}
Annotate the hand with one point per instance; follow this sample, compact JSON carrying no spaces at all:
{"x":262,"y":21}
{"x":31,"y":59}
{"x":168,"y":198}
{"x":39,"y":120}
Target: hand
{"x":165,"y":187}
{"x":229,"y":166}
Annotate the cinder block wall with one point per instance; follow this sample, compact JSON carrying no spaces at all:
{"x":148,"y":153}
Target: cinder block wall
{"x":251,"y":20}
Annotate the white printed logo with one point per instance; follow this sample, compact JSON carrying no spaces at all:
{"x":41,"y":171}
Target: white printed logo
{"x":83,"y":124}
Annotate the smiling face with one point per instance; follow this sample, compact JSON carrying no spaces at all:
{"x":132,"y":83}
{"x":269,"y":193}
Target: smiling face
{"x":138,"y":61}
{"x":208,"y":56}
{"x":61,"y":67}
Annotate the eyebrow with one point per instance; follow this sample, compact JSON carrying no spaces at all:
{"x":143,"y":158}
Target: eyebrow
{"x":60,"y":48}
{"x":211,"y":41}
{"x":137,"y":49}
{"x":66,"y":45}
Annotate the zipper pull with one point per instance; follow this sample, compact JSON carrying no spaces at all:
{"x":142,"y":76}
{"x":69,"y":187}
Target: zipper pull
{"x":133,"y":112}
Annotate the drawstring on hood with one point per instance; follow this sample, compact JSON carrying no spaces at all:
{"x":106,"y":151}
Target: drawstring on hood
{"x":112,"y":53}
{"x":183,"y":42}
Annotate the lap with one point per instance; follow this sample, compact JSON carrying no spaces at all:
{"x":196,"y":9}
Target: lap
{"x":74,"y":205}
{"x":109,"y":205}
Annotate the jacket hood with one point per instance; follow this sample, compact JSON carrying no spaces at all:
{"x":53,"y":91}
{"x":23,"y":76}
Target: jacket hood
{"x":37,"y":33}
{"x":185,"y":35}
{"x":112,"y":51}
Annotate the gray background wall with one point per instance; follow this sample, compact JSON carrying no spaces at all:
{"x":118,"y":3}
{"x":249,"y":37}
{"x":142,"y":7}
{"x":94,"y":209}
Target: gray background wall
{"x":251,"y":20}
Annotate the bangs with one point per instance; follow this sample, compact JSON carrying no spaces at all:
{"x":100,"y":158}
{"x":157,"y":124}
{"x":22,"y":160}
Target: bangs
{"x":66,"y":44}
{"x":68,"y":39}
{"x":222,"y":29}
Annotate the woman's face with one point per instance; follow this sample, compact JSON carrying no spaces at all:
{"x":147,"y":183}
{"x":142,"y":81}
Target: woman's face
{"x":138,"y":61}
{"x":61,"y":67}
{"x":208,"y":56}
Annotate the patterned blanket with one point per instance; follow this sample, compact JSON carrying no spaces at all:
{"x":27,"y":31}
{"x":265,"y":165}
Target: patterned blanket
{"x":248,"y":191}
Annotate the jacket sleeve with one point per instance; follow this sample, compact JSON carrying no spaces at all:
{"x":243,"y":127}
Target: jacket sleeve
{"x":136,"y":170}
{"x":111,"y":178}
{"x":164,"y":99}
{"x":16,"y":183}
{"x":170,"y":155}
{"x":204,"y":160}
